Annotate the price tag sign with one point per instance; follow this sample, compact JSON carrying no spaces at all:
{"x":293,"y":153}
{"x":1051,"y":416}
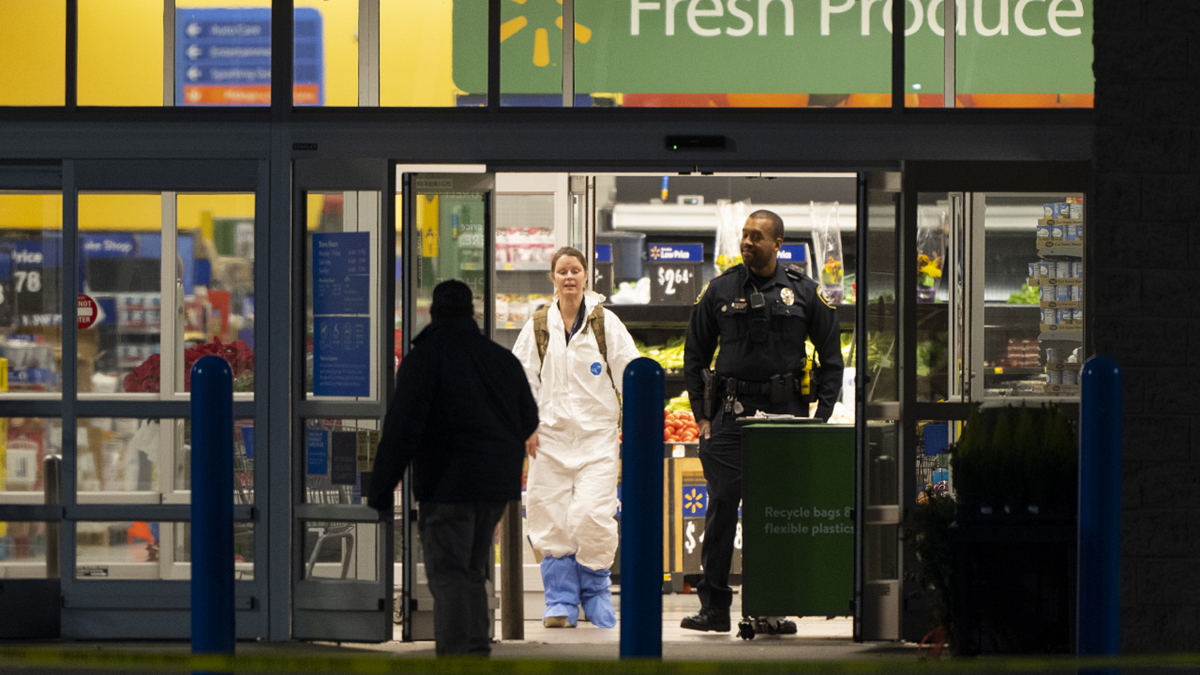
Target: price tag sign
{"x":675,"y":273}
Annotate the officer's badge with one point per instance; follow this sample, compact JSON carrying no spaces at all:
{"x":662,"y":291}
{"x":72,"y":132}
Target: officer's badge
{"x":787,"y":296}
{"x":824,"y":295}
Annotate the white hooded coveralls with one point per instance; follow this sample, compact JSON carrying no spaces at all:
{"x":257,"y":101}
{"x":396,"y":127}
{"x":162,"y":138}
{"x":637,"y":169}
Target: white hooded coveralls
{"x":571,"y":490}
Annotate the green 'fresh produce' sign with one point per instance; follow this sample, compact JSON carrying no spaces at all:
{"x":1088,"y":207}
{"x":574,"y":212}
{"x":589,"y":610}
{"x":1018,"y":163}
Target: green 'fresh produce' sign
{"x":778,"y":46}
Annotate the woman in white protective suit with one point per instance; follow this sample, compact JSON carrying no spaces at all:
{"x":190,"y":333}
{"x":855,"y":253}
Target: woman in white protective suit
{"x":575,"y":352}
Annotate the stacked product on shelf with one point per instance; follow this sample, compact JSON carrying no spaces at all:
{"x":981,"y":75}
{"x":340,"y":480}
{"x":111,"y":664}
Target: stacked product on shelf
{"x":1059,"y":276}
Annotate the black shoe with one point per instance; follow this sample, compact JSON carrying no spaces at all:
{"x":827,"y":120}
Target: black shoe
{"x":709,"y":618}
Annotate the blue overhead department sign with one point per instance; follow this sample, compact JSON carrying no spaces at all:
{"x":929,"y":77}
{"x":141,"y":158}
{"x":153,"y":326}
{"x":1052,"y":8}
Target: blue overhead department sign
{"x":223,"y":57}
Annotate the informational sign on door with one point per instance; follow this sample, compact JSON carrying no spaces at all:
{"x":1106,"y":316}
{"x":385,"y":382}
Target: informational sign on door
{"x":317,"y":452}
{"x":223,"y":57}
{"x":341,"y":282}
{"x":674,"y":273}
{"x":343,"y":466}
{"x":341,"y":314}
{"x":342,"y":356}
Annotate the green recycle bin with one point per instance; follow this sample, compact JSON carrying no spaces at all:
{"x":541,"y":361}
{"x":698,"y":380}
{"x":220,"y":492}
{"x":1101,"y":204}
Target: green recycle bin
{"x":797,"y":519}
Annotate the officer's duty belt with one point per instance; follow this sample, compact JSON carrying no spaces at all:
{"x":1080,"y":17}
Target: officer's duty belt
{"x":732,"y":386}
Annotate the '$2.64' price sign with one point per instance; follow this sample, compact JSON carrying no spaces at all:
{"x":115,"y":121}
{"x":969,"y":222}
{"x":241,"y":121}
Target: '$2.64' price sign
{"x":674,"y":272}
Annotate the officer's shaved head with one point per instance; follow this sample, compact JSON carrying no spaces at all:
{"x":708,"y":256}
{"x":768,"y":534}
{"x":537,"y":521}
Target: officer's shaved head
{"x":771,"y":217}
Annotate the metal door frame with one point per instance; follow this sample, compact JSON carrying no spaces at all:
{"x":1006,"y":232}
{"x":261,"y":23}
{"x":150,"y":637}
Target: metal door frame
{"x":342,"y":610}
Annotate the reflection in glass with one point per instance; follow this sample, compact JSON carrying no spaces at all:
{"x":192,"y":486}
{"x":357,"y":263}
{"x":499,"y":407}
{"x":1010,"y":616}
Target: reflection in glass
{"x":31,"y":295}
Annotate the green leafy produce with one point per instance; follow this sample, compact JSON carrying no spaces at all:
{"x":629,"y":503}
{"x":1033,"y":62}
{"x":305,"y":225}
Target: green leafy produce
{"x":669,"y":356}
{"x":680,"y":403}
{"x":1028,"y":295}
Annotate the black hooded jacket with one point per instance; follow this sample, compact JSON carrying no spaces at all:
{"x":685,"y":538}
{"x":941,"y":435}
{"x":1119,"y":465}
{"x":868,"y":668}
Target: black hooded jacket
{"x":461,"y":413}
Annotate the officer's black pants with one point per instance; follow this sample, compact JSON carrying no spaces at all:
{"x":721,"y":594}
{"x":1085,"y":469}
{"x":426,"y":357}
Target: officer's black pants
{"x":721,"y":457}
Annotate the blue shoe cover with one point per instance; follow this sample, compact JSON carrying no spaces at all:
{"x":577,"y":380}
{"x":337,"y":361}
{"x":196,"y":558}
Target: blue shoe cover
{"x":596,"y":596}
{"x":560,"y":578}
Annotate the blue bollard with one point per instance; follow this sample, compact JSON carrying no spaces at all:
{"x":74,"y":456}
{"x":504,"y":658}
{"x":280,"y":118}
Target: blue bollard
{"x":1099,"y":508}
{"x":212,"y":507}
{"x":642,"y":510}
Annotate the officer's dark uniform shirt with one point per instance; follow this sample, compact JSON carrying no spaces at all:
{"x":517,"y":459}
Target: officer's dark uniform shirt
{"x":723,"y":316}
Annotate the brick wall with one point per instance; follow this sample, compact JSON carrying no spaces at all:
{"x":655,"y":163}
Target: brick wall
{"x":1145,"y":284}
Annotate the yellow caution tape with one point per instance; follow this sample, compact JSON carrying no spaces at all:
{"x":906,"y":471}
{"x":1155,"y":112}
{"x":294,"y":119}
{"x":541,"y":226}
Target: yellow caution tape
{"x":308,"y":662}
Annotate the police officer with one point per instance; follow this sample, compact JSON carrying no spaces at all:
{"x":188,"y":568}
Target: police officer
{"x":760,"y":313}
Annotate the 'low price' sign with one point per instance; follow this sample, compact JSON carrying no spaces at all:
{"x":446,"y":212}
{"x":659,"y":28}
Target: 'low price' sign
{"x":674,"y":272}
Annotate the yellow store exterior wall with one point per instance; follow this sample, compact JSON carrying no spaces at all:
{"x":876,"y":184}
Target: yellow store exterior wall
{"x":33,"y":52}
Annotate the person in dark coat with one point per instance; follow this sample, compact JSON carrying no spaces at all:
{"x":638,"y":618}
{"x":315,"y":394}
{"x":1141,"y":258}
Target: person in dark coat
{"x":464,"y":415}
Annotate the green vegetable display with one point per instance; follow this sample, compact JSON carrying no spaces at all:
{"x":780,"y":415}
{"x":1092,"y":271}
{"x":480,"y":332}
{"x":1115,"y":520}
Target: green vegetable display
{"x":1028,"y":295}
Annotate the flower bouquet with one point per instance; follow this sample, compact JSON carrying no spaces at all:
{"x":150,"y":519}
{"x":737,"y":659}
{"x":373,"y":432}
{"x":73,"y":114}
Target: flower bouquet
{"x":931,"y":252}
{"x":239,"y":356}
{"x":827,"y":244}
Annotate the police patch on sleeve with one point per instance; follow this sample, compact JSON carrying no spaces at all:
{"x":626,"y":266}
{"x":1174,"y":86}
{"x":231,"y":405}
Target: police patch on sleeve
{"x":698,"y":297}
{"x":825,"y":298}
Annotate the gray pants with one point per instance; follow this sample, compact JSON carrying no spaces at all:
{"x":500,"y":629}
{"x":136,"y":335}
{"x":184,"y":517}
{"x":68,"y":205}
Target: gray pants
{"x":457,"y":541}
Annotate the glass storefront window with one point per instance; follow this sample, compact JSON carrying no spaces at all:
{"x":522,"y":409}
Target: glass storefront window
{"x":207,"y":309}
{"x":531,"y":63}
{"x":149,"y":550}
{"x":935,"y":312}
{"x":127,"y":460}
{"x":23,"y":549}
{"x":1033,"y":295}
{"x":525,"y":243}
{"x":120,"y":255}
{"x":215,"y":284}
{"x":30,"y":293}
{"x":120,"y":53}
{"x":432,"y":54}
{"x":344,"y":551}
{"x":33,"y":52}
{"x":25,"y":443}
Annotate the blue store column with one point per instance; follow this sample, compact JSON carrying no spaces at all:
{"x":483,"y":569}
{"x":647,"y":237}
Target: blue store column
{"x":212,"y":507}
{"x":642,"y":510}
